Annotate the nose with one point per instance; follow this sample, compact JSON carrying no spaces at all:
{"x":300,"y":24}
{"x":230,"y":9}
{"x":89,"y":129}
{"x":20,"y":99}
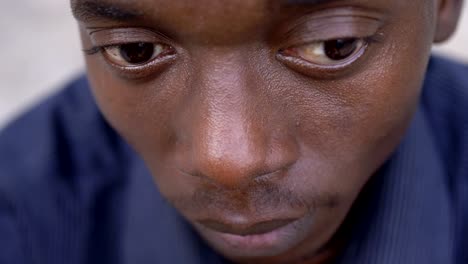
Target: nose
{"x":234,"y":134}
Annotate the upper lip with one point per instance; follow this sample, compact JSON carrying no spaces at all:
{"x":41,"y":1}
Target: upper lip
{"x":245,"y":229}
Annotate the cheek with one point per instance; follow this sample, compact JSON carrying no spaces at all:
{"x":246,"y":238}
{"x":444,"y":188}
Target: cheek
{"x":140,"y":111}
{"x":349,"y":127}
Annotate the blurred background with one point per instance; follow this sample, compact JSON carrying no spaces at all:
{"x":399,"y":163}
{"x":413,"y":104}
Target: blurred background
{"x":41,"y":51}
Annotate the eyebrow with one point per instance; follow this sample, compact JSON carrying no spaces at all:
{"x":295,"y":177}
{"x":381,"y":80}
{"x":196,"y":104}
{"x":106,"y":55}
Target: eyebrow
{"x":87,"y":10}
{"x":306,"y":2}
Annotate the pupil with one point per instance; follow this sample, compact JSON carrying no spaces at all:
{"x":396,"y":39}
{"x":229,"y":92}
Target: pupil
{"x":340,"y":49}
{"x":137,"y":53}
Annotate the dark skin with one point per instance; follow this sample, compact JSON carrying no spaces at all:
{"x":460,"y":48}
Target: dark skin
{"x":261,"y":121}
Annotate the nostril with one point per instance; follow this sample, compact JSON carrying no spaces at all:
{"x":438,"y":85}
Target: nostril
{"x":268,"y":174}
{"x":240,"y":176}
{"x":195,"y":174}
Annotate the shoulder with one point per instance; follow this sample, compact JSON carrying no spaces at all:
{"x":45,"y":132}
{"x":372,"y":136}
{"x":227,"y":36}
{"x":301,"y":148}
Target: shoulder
{"x":58,"y":147}
{"x":44,"y":136}
{"x":55,"y":160}
{"x":445,"y":101}
{"x":446,"y":88}
{"x":446,"y":78}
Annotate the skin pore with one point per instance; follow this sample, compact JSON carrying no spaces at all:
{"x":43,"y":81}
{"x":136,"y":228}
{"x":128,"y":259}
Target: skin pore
{"x":261,"y":121}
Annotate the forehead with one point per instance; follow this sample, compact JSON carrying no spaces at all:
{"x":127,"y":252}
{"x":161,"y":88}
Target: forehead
{"x":232,"y":10}
{"x":213,"y":19}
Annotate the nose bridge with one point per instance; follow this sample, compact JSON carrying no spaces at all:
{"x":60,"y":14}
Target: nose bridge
{"x":229,"y":142}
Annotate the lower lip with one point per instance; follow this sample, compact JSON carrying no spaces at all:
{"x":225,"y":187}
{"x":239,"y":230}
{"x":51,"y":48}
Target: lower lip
{"x":256,"y":241}
{"x":272,"y":243}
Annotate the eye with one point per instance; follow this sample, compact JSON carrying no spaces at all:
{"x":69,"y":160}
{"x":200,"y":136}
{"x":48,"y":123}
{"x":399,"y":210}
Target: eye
{"x":135,"y":54}
{"x":329,"y":53}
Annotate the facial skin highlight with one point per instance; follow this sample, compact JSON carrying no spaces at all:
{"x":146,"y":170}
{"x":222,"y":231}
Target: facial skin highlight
{"x":260,"y":121}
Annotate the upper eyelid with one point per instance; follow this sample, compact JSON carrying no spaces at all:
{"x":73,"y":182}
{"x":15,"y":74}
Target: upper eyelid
{"x":331,"y":23}
{"x":333,"y":29}
{"x":346,"y":12}
{"x":105,"y":37}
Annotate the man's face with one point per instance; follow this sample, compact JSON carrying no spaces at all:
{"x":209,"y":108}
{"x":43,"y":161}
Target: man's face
{"x":260,"y":121}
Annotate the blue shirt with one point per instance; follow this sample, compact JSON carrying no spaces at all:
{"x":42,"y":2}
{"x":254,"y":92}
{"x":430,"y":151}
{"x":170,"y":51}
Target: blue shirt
{"x":72,"y":191}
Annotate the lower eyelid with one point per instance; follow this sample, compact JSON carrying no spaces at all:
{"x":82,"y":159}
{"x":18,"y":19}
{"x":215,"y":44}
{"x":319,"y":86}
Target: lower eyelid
{"x":150,"y":70}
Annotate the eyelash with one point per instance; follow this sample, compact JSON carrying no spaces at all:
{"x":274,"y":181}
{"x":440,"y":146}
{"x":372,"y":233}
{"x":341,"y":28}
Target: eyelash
{"x":95,"y":49}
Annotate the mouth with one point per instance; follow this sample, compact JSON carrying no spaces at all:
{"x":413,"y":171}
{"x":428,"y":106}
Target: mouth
{"x":254,"y":239}
{"x":246,"y":229}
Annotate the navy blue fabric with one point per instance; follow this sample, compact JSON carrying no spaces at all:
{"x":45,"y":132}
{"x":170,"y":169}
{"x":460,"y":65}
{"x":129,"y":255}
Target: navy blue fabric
{"x":72,"y":191}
